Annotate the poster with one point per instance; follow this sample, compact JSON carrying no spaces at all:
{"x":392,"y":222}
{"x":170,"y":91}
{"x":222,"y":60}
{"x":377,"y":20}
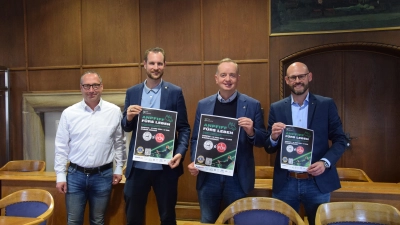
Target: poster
{"x":155,"y":136}
{"x":217,"y":144}
{"x":296,"y":148}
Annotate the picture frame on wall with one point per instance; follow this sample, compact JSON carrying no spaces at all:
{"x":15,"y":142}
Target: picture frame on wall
{"x":294,"y":17}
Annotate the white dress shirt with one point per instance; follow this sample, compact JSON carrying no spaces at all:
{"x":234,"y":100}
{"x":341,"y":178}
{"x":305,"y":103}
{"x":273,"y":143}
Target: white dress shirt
{"x":89,"y":138}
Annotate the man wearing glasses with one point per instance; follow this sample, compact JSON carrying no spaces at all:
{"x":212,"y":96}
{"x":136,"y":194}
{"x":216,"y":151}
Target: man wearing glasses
{"x":90,"y":136}
{"x":306,"y":110}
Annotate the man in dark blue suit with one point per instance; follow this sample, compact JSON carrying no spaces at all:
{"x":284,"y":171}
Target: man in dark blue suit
{"x":141,"y":176}
{"x":303,"y":109}
{"x":214,"y":189}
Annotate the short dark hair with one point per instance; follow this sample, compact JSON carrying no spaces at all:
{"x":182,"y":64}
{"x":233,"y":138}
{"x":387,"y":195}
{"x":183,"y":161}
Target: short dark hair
{"x":155,"y":50}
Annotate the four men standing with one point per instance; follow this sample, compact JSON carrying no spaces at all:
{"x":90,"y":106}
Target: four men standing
{"x":90,"y":136}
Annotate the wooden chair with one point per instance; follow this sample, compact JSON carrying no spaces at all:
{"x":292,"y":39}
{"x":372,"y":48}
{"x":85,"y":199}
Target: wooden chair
{"x":357,"y":213}
{"x":353,"y":174}
{"x":264,"y":172}
{"x":24,"y":166}
{"x":259,"y":210}
{"x":36,"y":203}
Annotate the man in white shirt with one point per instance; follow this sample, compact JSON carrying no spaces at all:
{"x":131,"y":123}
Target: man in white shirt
{"x":90,"y":136}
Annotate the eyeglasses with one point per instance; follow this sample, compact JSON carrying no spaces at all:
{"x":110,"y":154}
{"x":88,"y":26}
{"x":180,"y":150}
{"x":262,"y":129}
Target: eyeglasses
{"x":88,"y":86}
{"x":300,"y":76}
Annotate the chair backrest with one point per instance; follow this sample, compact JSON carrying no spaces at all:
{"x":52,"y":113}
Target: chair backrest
{"x":264,"y":172}
{"x":28,"y":203}
{"x":353,"y":174}
{"x":355,"y":213}
{"x":24,"y":166}
{"x":259,"y":210}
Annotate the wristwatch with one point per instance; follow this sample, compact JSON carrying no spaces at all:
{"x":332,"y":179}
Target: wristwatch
{"x":326,"y":164}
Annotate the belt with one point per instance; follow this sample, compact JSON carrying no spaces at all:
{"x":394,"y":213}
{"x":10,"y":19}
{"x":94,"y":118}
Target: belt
{"x":300,"y":175}
{"x":91,"y":170}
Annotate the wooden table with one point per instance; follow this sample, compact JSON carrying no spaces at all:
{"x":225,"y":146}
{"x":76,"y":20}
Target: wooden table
{"x":12,"y":220}
{"x":388,"y":193}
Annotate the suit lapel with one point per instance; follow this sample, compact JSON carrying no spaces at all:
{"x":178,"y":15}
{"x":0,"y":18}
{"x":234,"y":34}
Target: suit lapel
{"x":241,"y":106}
{"x":164,"y":95}
{"x":288,"y":110}
{"x":311,"y":109}
{"x":210,"y":110}
{"x":139,"y":95}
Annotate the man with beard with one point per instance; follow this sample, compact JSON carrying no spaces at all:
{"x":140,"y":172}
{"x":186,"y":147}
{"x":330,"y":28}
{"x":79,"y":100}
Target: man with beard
{"x":306,"y":110}
{"x":141,"y":176}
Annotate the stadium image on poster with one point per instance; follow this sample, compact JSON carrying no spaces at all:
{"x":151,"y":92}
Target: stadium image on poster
{"x":155,"y":136}
{"x":296,"y":148}
{"x":217,"y":144}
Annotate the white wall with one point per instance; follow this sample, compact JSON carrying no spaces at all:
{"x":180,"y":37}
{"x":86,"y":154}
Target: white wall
{"x":50,"y":128}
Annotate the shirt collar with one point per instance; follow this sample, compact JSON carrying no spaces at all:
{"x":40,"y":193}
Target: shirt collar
{"x":98,"y":106}
{"x":155,"y":90}
{"x":227,"y":100}
{"x":305,"y":100}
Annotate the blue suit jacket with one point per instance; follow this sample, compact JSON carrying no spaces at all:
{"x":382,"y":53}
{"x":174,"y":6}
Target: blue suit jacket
{"x":323,"y":118}
{"x":171,"y":99}
{"x":246,"y":107}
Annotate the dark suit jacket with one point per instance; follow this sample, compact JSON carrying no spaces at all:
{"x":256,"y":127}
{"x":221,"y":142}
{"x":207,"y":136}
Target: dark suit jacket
{"x":323,"y":118}
{"x":172,"y":100}
{"x":246,"y":107}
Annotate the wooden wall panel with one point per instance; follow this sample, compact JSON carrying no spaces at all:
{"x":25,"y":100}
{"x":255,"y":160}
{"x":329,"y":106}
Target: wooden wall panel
{"x":118,"y":78}
{"x":173,"y":25}
{"x":283,"y":46}
{"x":18,"y":81}
{"x":12,"y":33}
{"x":325,"y":82}
{"x":54,"y":30}
{"x":236,"y":29}
{"x":53,"y":80}
{"x":373,"y":114}
{"x":110,"y":32}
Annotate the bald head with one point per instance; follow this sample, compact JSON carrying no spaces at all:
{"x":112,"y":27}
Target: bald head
{"x":296,"y":66}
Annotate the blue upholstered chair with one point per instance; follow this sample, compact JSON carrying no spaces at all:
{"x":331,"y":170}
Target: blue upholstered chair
{"x":259,"y":210}
{"x":357,"y":213}
{"x":34,"y":203}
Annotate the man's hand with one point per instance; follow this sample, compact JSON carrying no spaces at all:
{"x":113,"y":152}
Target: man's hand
{"x":132,"y":111}
{"x":116,"y":179}
{"x":62,"y":187}
{"x":316,"y":168}
{"x":174,"y":162}
{"x":193,"y":170}
{"x":247,"y":125}
{"x":276,"y":130}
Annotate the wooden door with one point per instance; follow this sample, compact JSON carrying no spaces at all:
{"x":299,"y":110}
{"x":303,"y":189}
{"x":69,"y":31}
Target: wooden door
{"x":364,"y":87}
